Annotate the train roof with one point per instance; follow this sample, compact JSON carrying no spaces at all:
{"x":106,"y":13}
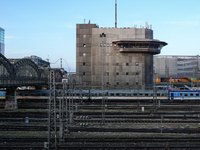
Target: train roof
{"x":184,"y":91}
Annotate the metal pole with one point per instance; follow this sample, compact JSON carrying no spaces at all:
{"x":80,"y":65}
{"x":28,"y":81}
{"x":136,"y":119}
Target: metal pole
{"x":115,"y":13}
{"x":103,"y":93}
{"x":161,"y":123}
{"x":197,"y":72}
{"x":52,"y":129}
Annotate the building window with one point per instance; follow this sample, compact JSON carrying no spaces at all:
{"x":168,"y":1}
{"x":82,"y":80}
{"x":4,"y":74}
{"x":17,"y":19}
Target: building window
{"x":104,"y":45}
{"x":137,"y":64}
{"x":83,"y":73}
{"x":127,"y":83}
{"x":107,"y":64}
{"x":84,"y":36}
{"x":117,"y":64}
{"x":107,"y":73}
{"x":137,"y":73}
{"x":101,"y":44}
{"x":136,"y":83}
{"x":107,"y":83}
{"x":107,"y":44}
{"x":126,"y":73}
{"x":84,"y":54}
{"x":84,"y":45}
{"x":110,"y":44}
{"x":117,"y":73}
{"x":107,"y":54}
{"x":83,"y":64}
{"x":126,"y":64}
{"x":117,"y":83}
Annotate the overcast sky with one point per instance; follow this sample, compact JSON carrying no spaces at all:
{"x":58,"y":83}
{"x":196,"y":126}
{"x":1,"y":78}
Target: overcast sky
{"x":47,"y":28}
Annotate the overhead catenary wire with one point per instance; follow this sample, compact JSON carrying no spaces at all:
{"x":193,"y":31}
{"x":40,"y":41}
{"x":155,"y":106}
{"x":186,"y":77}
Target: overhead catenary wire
{"x":65,"y":62}
{"x":56,"y":61}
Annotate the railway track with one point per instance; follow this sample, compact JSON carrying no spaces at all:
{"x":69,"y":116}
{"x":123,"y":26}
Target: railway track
{"x":90,"y":129}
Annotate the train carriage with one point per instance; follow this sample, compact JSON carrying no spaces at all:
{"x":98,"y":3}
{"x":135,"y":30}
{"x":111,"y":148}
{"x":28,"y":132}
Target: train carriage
{"x":181,"y":95}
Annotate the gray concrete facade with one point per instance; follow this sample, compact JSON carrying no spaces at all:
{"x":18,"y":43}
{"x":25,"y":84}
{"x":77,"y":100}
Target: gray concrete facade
{"x":120,"y":58}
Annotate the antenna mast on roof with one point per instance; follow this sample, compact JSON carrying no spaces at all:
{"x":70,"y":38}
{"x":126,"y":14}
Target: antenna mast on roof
{"x":115,"y":13}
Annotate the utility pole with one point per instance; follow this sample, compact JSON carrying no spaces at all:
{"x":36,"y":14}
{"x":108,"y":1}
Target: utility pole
{"x":63,"y":112}
{"x":60,"y":62}
{"x":197,"y":72}
{"x":103,"y":93}
{"x":154,"y":92}
{"x":52,"y":128}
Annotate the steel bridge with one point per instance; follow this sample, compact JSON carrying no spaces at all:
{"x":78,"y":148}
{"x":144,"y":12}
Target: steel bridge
{"x":23,"y":72}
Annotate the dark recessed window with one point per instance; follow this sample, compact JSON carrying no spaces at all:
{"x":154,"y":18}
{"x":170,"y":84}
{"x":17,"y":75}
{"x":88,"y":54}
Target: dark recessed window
{"x":126,"y":64}
{"x":83,"y":73}
{"x":117,"y":83}
{"x":107,"y":83}
{"x":117,"y":73}
{"x":136,"y":83}
{"x":137,"y":73}
{"x":107,"y":73}
{"x":83,"y":64}
{"x":126,"y":73}
{"x":127,"y":83}
{"x":117,"y":64}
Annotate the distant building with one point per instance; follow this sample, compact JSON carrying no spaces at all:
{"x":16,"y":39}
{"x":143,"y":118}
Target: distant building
{"x":117,"y":58}
{"x":2,"y":41}
{"x":176,"y":66}
{"x":37,"y":60}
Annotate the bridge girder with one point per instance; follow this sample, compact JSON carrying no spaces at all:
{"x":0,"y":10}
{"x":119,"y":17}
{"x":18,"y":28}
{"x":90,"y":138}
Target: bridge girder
{"x":6,"y":63}
{"x":24,"y":62}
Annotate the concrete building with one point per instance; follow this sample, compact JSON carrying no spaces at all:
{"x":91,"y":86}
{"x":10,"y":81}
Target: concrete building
{"x":176,"y":66}
{"x":2,"y":41}
{"x":117,"y":58}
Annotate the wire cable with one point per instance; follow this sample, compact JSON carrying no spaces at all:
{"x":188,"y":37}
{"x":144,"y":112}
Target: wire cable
{"x":56,"y":61}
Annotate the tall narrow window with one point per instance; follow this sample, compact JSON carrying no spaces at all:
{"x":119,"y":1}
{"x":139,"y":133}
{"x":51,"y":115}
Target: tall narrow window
{"x":83,"y":73}
{"x":83,"y":64}
{"x":127,"y":64}
{"x":126,"y":73}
